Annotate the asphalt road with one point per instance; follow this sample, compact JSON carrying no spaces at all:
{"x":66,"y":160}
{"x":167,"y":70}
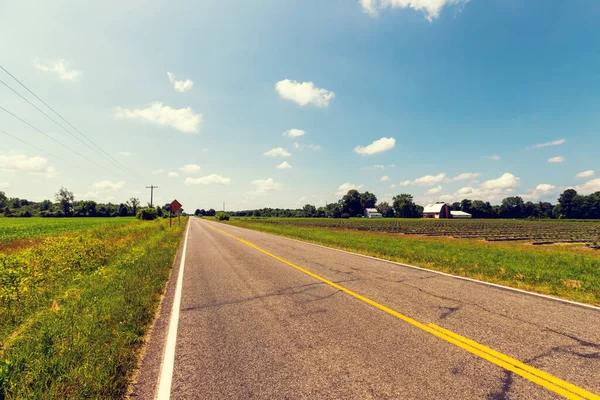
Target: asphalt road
{"x":254,"y":325}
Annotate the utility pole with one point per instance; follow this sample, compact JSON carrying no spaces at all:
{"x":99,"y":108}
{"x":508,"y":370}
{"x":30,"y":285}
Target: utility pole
{"x":151,"y":187}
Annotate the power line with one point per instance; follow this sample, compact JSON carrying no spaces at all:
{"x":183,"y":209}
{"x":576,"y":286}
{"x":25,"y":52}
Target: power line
{"x":53,"y":139}
{"x":61,"y":126}
{"x":66,"y":121}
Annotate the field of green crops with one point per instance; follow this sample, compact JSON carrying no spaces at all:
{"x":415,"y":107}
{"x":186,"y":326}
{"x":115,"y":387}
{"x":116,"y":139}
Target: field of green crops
{"x":76,"y":303}
{"x":33,"y":228}
{"x":555,"y":231}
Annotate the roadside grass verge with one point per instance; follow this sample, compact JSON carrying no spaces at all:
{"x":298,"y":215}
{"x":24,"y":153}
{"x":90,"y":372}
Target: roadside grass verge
{"x":74,"y":320}
{"x":562,"y":271}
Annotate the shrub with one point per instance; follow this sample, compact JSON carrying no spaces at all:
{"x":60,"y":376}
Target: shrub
{"x":146,"y":214}
{"x":222,"y":216}
{"x":345,"y":215}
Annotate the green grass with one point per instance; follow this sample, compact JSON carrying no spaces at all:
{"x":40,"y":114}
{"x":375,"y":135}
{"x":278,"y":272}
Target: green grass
{"x":75,"y":309}
{"x":33,"y":228}
{"x":571,"y":272}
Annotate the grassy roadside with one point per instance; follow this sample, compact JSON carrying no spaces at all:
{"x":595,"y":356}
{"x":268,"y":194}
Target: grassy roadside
{"x":80,"y":307}
{"x":562,"y":271}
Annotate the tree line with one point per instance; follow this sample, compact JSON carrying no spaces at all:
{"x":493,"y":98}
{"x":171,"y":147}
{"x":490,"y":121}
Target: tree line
{"x":65,"y":205}
{"x":570,"y":204}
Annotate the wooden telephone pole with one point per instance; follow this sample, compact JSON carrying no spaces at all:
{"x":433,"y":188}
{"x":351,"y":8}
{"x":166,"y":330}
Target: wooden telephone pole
{"x":151,"y":187}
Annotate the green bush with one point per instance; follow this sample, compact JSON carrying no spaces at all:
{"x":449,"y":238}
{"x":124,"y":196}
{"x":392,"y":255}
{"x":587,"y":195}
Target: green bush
{"x":146,"y":214}
{"x":345,"y":215}
{"x":222,"y":216}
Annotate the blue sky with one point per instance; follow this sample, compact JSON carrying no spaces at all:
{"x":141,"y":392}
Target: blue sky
{"x":453,"y":97}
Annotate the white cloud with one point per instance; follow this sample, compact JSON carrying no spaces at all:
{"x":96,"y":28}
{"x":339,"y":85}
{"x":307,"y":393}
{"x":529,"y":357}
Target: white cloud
{"x":23,"y":163}
{"x":158,"y":171}
{"x":464,"y":176}
{"x":554,"y":160}
{"x":384,"y":178}
{"x":294,"y":132}
{"x":541,"y":190}
{"x":506,"y":181}
{"x":212,"y":179}
{"x":303,"y":93}
{"x":343,"y":189}
{"x":126,"y":153}
{"x":495,"y":157}
{"x":393,"y":185}
{"x":378,"y":146}
{"x":301,"y":147}
{"x":589,"y":187}
{"x":426,"y":180}
{"x":284,"y":165}
{"x":264,"y":186}
{"x":431,"y":8}
{"x":585,"y":174}
{"x":277,"y":152}
{"x":552,"y":143}
{"x":4,"y":185}
{"x":182,"y":119}
{"x":180,"y":86}
{"x":59,"y":67}
{"x":107,"y":186}
{"x":434,"y":190}
{"x":173,"y":175}
{"x":190,"y":168}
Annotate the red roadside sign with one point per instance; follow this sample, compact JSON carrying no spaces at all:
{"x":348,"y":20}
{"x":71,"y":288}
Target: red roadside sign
{"x":175,"y":205}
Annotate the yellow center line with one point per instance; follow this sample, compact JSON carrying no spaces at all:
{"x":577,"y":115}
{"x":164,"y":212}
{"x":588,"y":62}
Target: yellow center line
{"x":550,"y":382}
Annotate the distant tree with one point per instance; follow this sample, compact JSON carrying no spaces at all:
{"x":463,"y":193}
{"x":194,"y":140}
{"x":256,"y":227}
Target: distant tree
{"x":86,"y":208}
{"x":405,"y":207}
{"x":160,"y":211}
{"x":455,"y":206}
{"x":65,"y":200}
{"x":367,"y":200}
{"x":134,"y":204}
{"x":351,"y":203}
{"x":385,"y":209}
{"x":321,"y":212}
{"x":466,"y":205}
{"x":309,"y":210}
{"x":3,"y":201}
{"x":480,"y":209}
{"x":46,"y":205}
{"x":123,"y":210}
{"x":568,"y":204}
{"x":212,"y":212}
{"x":146,"y":213}
{"x":512,"y":207}
{"x":197,"y":212}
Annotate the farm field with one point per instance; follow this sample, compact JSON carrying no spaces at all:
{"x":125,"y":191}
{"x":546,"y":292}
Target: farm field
{"x":556,"y":231}
{"x":77,"y":303}
{"x":33,"y":228}
{"x":570,"y":271}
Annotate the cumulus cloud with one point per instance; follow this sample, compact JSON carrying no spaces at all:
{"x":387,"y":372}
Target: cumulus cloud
{"x":182,"y":119}
{"x":24,"y":163}
{"x":541,"y":190}
{"x":431,"y":8}
{"x":284,"y":165}
{"x":343,"y":189}
{"x":434,"y":190}
{"x":384,"y":178}
{"x":427,"y":180}
{"x":180,"y":86}
{"x":212,"y":179}
{"x":106,"y":186}
{"x":190,"y":168}
{"x":264,"y":186}
{"x":294,"y":132}
{"x":277,"y":152}
{"x":547,"y":144}
{"x":554,"y":160}
{"x":378,"y":146}
{"x":59,"y":67}
{"x":301,"y":147}
{"x":173,"y":175}
{"x":464,"y":176}
{"x":303,"y":93}
{"x":393,"y":185}
{"x":585,"y":174}
{"x":592,"y":186}
{"x":507,"y":180}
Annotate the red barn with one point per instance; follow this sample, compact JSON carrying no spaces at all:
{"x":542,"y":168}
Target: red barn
{"x":437,"y":210}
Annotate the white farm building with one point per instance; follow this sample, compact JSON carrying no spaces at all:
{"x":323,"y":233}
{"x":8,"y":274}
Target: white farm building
{"x":460,"y":214}
{"x":437,"y":210}
{"x":372,"y":213}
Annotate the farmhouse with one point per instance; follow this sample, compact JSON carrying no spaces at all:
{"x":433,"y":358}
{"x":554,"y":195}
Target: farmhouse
{"x":437,"y":210}
{"x":460,"y":214}
{"x":372,"y":213}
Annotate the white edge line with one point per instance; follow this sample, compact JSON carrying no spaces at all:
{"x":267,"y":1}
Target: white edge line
{"x":168,"y":362}
{"x":545,"y":296}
